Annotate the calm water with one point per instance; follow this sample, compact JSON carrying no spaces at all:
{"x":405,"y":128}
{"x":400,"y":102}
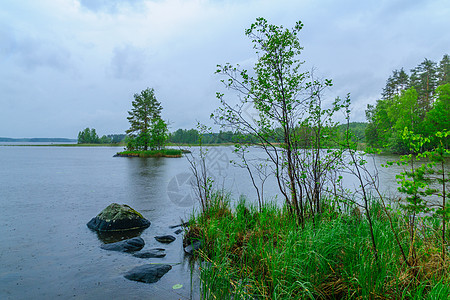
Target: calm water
{"x":48,"y":194}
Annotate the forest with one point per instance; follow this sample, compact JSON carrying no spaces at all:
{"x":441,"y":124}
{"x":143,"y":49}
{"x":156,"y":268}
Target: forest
{"x":418,"y":100}
{"x":195,"y":137}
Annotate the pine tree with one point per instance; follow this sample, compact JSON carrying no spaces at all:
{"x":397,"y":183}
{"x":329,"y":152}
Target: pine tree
{"x":145,"y":114}
{"x":395,"y":84}
{"x":424,"y":80}
{"x":444,"y":70}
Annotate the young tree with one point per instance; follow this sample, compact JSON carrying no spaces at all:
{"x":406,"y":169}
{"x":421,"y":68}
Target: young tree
{"x":146,"y":126}
{"x":272,"y":105}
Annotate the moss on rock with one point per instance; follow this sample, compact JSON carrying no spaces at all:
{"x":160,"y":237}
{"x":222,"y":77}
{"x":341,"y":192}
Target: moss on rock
{"x":117,"y":217}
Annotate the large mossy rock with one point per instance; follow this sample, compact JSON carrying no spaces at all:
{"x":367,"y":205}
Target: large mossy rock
{"x":118,"y":217}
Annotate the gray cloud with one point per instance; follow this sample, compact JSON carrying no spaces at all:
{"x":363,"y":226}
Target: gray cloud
{"x":120,"y":47}
{"x":128,"y":62}
{"x":31,"y":53}
{"x":109,"y":6}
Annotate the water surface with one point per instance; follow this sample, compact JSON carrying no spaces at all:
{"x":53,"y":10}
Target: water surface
{"x":48,"y":194}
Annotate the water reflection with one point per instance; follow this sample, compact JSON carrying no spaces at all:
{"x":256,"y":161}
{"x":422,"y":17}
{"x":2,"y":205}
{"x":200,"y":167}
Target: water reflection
{"x":117,"y":236}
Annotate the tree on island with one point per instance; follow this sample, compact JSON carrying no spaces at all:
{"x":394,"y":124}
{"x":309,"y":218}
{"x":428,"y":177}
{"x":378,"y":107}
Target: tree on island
{"x":147,"y":129}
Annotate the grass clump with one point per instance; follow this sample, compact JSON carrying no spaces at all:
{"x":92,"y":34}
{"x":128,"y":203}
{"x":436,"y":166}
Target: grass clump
{"x":250,"y":253}
{"x":152,"y":153}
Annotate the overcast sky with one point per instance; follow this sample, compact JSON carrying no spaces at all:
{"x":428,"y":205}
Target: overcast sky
{"x":70,"y":64}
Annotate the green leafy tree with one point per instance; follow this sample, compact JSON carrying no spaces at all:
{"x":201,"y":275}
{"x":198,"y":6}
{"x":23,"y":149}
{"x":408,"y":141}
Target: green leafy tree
{"x":438,"y":118}
{"x":145,"y":121}
{"x":273,"y":95}
{"x":279,"y":104}
{"x":88,"y":136}
{"x":158,"y":134}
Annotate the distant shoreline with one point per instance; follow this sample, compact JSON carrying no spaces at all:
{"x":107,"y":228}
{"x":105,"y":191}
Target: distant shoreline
{"x":37,"y":140}
{"x":61,"y":145}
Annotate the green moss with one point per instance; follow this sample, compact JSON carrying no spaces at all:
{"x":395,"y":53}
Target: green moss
{"x":116,"y":211}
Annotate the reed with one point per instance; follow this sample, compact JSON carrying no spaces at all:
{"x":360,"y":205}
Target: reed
{"x":252,"y":253}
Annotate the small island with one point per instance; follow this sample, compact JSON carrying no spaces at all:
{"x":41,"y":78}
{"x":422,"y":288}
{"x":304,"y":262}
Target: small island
{"x":150,"y":153}
{"x":148,"y":132}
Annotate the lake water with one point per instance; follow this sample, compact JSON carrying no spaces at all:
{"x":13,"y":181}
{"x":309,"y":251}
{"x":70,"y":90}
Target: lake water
{"x":48,"y":194}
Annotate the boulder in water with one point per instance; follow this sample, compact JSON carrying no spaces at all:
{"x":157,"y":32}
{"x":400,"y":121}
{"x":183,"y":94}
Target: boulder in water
{"x":118,"y":217}
{"x":148,"y":273}
{"x":152,"y":253}
{"x":130,"y":245}
{"x":193,"y":246}
{"x":166,"y":239}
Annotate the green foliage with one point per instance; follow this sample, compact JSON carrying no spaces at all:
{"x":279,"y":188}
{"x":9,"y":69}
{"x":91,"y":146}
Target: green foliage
{"x":88,"y":136}
{"x":147,"y":129}
{"x":438,"y":118}
{"x":419,"y":101}
{"x":419,"y":181}
{"x":281,"y":109}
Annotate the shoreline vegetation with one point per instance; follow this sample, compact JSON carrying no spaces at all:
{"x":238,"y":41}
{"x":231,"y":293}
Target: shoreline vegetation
{"x":262,"y":253}
{"x":325,"y":241}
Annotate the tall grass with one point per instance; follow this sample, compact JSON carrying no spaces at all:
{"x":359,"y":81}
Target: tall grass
{"x":252,"y":253}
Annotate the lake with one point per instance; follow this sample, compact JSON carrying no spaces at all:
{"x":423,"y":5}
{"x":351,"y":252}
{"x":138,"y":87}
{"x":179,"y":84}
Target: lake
{"x":48,"y":194}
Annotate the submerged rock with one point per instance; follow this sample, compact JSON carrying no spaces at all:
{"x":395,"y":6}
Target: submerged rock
{"x":148,"y":273}
{"x":185,"y":224}
{"x":194,"y":246}
{"x":165,"y":238}
{"x":118,"y":217}
{"x":130,"y":245}
{"x":152,"y":253}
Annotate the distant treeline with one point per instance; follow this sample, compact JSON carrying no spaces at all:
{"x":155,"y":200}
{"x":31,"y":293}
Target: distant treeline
{"x":192,"y":136}
{"x":37,"y":140}
{"x":90,"y":136}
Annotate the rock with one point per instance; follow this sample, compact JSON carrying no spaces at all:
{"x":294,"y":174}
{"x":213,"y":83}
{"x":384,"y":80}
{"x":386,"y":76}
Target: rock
{"x":152,"y":253}
{"x":148,"y":273}
{"x":194,"y":246}
{"x":166,"y":239}
{"x":178,"y":231}
{"x":130,"y":245}
{"x":118,"y":217}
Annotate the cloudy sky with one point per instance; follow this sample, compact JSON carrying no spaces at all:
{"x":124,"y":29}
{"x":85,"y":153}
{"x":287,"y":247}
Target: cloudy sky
{"x":70,"y":64}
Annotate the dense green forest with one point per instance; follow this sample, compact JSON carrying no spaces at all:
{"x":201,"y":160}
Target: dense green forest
{"x":418,"y":101}
{"x":193,"y":136}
